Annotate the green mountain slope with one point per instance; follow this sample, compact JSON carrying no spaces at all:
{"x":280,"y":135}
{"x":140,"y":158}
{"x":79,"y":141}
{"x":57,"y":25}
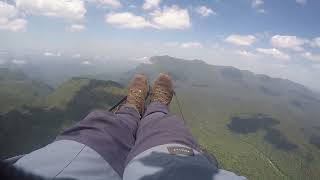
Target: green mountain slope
{"x":255,"y":125}
{"x":37,"y":124}
{"x":16,"y":89}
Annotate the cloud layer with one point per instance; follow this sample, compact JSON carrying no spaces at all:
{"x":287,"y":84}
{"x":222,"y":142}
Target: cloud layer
{"x":275,"y":53}
{"x":9,"y":18}
{"x":241,"y":40}
{"x":288,"y":42}
{"x":169,"y":18}
{"x":73,"y":10}
{"x":205,"y":11}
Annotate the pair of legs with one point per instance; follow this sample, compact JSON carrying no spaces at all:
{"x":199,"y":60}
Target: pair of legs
{"x":126,"y":145}
{"x":120,"y":137}
{"x":117,"y":138}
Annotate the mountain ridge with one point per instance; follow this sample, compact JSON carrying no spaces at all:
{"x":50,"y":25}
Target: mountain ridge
{"x":256,"y":126}
{"x":156,"y":59}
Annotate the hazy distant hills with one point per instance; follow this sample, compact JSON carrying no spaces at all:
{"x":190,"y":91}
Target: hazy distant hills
{"x":257,"y":126}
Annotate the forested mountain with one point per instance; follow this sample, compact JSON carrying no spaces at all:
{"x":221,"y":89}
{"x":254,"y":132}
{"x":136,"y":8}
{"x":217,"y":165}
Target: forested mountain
{"x":255,"y":125}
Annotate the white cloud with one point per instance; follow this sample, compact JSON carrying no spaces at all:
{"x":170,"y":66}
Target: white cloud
{"x":171,"y":18}
{"x":76,"y":28}
{"x":86,"y":63}
{"x":289,"y":42}
{"x":315,"y":42}
{"x":312,"y":57}
{"x":302,"y":2}
{"x":73,"y":10}
{"x":204,"y":11}
{"x":257,"y":3}
{"x":151,"y":4}
{"x":58,"y":54}
{"x":191,"y":45}
{"x":127,"y":20}
{"x":7,"y":10}
{"x":13,"y":25}
{"x":241,"y":40}
{"x":111,"y":3}
{"x":76,"y":55}
{"x":9,"y":18}
{"x":19,"y":62}
{"x":274,"y":53}
{"x":168,"y":18}
{"x":247,"y":54}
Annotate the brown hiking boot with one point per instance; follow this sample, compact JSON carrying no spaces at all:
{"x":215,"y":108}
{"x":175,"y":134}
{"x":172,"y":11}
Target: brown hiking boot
{"x":138,"y":92}
{"x":162,"y":90}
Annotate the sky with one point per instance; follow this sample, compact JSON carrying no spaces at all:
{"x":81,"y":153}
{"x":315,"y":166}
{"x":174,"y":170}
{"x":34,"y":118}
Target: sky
{"x":280,"y":38}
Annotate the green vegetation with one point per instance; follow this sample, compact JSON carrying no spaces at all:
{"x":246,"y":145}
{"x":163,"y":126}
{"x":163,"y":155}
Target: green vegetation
{"x":34,"y":125}
{"x":17,"y":90}
{"x":275,"y":144}
{"x":256,"y":126}
{"x":64,"y":94}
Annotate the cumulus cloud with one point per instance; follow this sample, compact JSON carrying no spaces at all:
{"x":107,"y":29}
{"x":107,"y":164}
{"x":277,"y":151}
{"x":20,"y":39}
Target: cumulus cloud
{"x":7,"y":10}
{"x":275,"y":53}
{"x":191,"y":45}
{"x":301,"y":2}
{"x":19,"y":62}
{"x":204,"y":11}
{"x":9,"y":18}
{"x":50,"y":54}
{"x":247,"y":54}
{"x":171,"y":18}
{"x":168,"y":18}
{"x":257,"y":3}
{"x":86,"y":63}
{"x":76,"y":28}
{"x":315,"y":42}
{"x":312,"y":57}
{"x":73,"y":10}
{"x":151,"y":4}
{"x":127,"y":20}
{"x":262,"y":11}
{"x":76,"y":55}
{"x":111,"y":3}
{"x":240,"y":40}
{"x":289,"y":42}
{"x":13,"y":25}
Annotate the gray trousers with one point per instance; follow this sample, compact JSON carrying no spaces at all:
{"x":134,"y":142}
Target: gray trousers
{"x":120,"y":145}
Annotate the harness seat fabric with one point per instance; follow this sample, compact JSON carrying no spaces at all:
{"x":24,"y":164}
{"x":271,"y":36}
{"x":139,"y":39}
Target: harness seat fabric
{"x":67,"y":159}
{"x":158,"y":163}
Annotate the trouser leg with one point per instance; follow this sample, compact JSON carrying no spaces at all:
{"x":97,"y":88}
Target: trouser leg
{"x":165,"y":149}
{"x":94,"y":148}
{"x":111,"y":135}
{"x":158,"y":127}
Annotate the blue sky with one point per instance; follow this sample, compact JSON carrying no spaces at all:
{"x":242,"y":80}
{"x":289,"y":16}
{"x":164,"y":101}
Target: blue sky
{"x":280,"y":38}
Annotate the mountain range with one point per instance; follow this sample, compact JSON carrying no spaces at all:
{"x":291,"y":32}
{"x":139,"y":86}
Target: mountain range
{"x":255,"y":125}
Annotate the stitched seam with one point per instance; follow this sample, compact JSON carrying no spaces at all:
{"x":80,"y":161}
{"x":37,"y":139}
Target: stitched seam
{"x":69,"y":162}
